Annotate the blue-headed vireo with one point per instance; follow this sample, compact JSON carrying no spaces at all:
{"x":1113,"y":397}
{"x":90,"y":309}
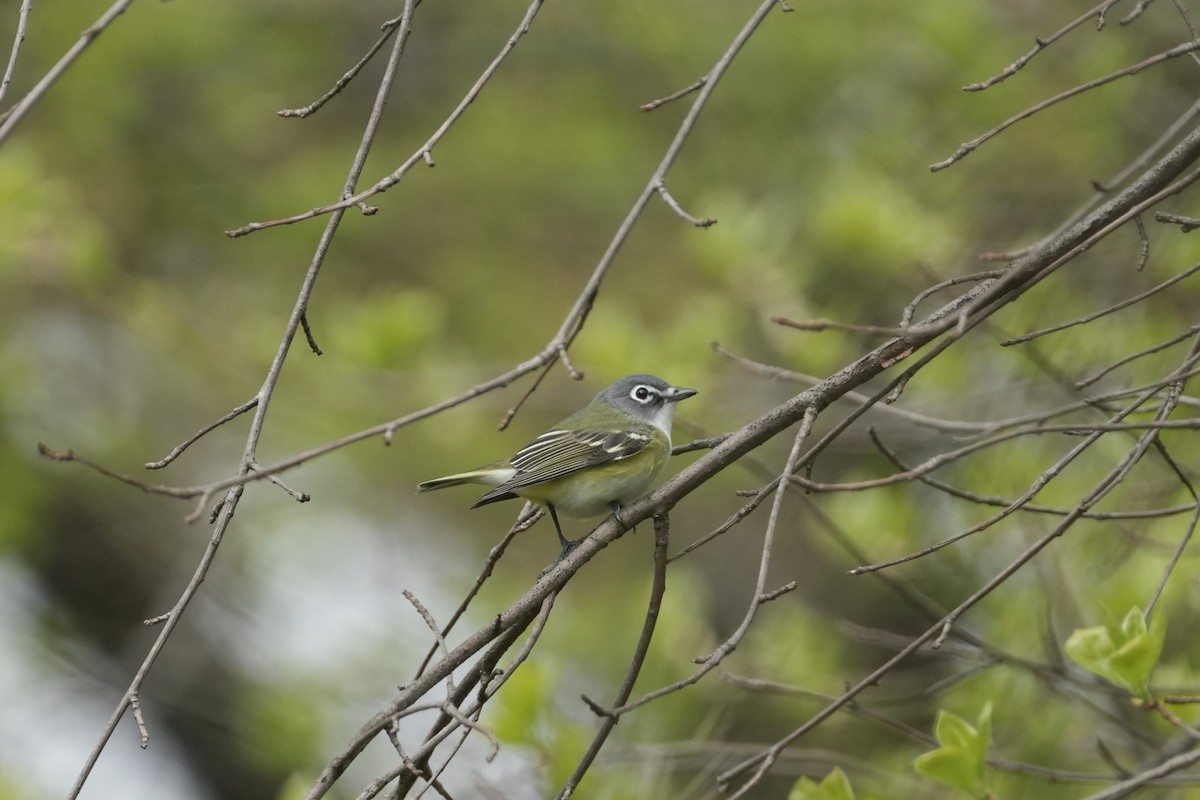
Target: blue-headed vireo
{"x":600,"y":458}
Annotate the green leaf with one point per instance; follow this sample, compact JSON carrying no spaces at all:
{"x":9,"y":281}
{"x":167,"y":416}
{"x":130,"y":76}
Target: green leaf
{"x":836,"y":786}
{"x":1124,"y":656}
{"x":951,"y":766}
{"x":983,"y":736}
{"x":961,"y":761}
{"x":952,"y":730}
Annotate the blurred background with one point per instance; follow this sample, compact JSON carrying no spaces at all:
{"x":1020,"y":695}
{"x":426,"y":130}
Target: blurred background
{"x":128,"y":320}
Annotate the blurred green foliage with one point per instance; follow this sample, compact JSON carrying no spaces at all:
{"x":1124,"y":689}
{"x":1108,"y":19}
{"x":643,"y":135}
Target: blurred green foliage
{"x":835,"y":786}
{"x":961,"y":759}
{"x":128,"y":321}
{"x":1126,"y":655}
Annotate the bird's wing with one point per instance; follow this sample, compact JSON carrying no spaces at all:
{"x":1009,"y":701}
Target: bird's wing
{"x":560,"y":452}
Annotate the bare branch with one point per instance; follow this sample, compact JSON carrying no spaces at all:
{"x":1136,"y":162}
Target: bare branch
{"x":935,"y":423}
{"x":762,"y":762}
{"x":299,"y":497}
{"x":818,"y":325}
{"x":1036,"y":487}
{"x":1128,"y":787}
{"x":1137,"y":11}
{"x":18,"y":40}
{"x":1186,"y":224}
{"x":528,"y":515}
{"x":1040,"y":44}
{"x":1027,"y":507}
{"x":1106,"y":311}
{"x":388,"y":29}
{"x":428,"y":618}
{"x":1176,"y":390}
{"x":424,"y":153}
{"x":706,"y":222}
{"x":1174,"y":340}
{"x":224,"y":513}
{"x":143,"y":734}
{"x":761,"y":594}
{"x":471,"y":724}
{"x":13,"y":117}
{"x":153,"y":488}
{"x":483,"y":675}
{"x":308,"y":335}
{"x":684,"y":92}
{"x":186,"y":443}
{"x":966,"y":148}
{"x":657,"y":589}
{"x":911,"y":309}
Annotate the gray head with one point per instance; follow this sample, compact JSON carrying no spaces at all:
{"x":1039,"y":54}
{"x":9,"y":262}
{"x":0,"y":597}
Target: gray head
{"x":647,"y":397}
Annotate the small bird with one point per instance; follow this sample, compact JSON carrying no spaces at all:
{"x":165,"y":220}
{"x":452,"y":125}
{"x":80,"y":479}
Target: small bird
{"x":602,"y":457}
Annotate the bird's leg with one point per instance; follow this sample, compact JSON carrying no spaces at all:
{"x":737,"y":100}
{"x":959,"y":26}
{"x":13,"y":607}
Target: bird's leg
{"x":565,"y":544}
{"x":616,"y":509}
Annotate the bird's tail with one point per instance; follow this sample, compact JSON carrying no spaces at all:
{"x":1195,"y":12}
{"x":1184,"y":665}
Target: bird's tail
{"x":478,"y":476}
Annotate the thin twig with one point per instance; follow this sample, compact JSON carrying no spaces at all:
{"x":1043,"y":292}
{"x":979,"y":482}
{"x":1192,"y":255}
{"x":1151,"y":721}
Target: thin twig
{"x":941,"y":459}
{"x":507,"y":419}
{"x":657,"y":589}
{"x":135,"y":706}
{"x":911,"y":309}
{"x":528,"y":515}
{"x":968,"y":147}
{"x":186,"y":443}
{"x":423,"y":153}
{"x":1040,"y":44}
{"x":471,"y":724}
{"x":1128,"y":787}
{"x":731,"y":521}
{"x":684,"y":92}
{"x":1176,"y":390}
{"x":761,"y":594}
{"x":1040,"y":483}
{"x":18,"y":40}
{"x":1144,"y":255}
{"x":229,"y":505}
{"x":487,"y":677}
{"x":935,"y":423}
{"x":299,"y":497}
{"x":1137,"y":11}
{"x":1180,"y":699}
{"x":308,"y":335}
{"x":1155,"y":348}
{"x":857,"y":709}
{"x":388,"y":29}
{"x":818,"y":325}
{"x":1137,"y":298}
{"x":1186,"y":224}
{"x":429,"y":621}
{"x":705,"y":222}
{"x":762,"y":762}
{"x":14,"y":116}
{"x":986,"y":500}
{"x":1174,"y":720}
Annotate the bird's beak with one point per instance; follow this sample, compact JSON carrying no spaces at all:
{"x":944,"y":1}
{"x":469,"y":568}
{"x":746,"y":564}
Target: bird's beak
{"x":675,"y":394}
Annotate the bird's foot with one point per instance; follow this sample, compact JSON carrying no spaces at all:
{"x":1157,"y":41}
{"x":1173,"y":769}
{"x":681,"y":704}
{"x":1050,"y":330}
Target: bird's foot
{"x":616,"y":512}
{"x":565,"y":547}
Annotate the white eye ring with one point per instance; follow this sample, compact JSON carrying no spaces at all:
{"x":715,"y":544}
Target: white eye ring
{"x":643,"y":394}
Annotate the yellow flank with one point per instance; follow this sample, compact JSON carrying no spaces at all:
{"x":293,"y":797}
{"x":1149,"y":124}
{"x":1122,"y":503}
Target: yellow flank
{"x":588,"y":492}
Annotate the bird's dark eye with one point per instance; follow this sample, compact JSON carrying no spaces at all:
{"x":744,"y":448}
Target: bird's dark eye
{"x":642,"y":394}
